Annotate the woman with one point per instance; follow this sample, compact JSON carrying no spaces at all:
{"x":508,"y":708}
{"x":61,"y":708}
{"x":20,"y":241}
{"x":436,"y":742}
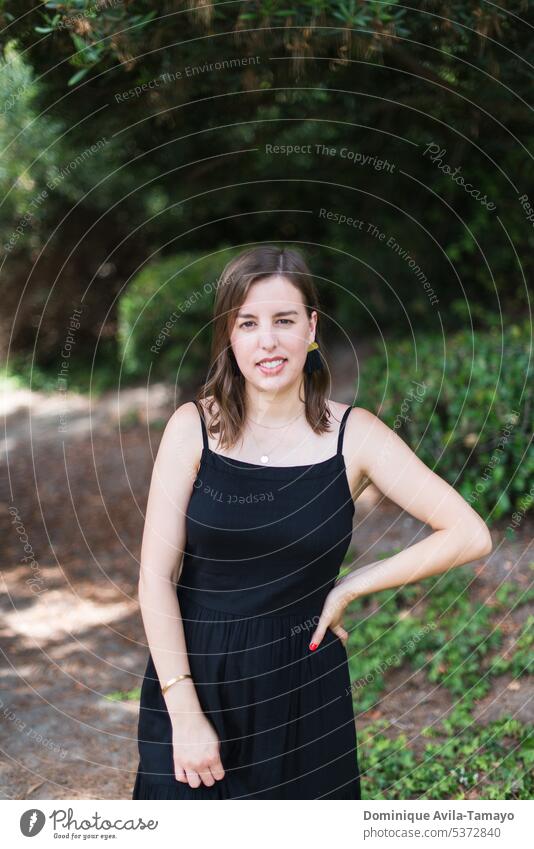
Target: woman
{"x":246,"y":692}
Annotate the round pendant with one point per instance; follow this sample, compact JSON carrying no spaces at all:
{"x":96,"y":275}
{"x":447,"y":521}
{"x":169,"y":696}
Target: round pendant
{"x":264,"y":458}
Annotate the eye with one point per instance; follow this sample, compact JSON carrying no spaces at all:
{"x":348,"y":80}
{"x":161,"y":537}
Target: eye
{"x":285,"y":320}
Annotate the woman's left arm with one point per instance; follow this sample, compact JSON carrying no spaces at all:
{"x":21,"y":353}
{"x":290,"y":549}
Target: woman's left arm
{"x":460,"y":535}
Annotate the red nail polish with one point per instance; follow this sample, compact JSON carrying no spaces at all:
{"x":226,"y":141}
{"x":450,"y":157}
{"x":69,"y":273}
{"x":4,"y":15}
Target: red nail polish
{"x":313,"y":646}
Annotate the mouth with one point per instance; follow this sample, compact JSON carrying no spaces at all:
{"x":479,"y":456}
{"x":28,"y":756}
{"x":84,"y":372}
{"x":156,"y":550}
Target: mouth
{"x":271,"y":365}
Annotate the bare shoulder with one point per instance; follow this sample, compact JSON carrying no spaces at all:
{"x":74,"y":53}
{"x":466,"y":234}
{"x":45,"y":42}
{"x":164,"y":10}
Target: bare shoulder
{"x":357,"y":419}
{"x":177,"y":460}
{"x":364,"y":432}
{"x":185,"y":417}
{"x":183,"y":432}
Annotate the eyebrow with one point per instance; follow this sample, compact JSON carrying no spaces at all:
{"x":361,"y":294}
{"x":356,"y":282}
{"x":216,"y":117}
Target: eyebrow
{"x":276,"y":314}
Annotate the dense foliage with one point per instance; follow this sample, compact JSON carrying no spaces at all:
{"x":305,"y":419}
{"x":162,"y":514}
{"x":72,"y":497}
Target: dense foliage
{"x":232,"y":123}
{"x":465,"y":405}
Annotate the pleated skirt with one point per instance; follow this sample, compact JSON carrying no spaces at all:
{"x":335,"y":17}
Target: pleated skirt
{"x":283,"y":713}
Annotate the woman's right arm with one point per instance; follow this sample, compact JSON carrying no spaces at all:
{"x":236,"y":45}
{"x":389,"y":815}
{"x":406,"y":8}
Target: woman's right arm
{"x":195,"y":741}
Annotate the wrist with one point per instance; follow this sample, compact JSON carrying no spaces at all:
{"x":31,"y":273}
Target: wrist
{"x":182,"y":694}
{"x":346,"y":590}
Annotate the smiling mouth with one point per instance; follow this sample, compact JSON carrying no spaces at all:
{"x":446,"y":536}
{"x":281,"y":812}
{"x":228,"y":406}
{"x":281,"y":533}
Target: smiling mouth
{"x":271,"y":365}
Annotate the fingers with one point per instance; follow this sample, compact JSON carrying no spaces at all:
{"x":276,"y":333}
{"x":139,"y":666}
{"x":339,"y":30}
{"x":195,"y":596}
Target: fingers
{"x":205,"y":776}
{"x":193,"y":778}
{"x":341,"y":633}
{"x":330,"y":617}
{"x":205,"y":773}
{"x":217,"y":769}
{"x":319,"y":632}
{"x":211,"y":772}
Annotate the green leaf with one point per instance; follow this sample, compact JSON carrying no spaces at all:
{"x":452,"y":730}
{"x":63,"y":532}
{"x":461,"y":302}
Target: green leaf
{"x":78,"y":76}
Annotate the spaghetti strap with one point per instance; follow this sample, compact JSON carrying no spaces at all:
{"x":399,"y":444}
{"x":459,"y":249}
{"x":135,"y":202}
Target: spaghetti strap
{"x":342,"y":430}
{"x":202,"y":422}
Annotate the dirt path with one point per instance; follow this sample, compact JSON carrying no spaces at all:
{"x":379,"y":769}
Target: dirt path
{"x":72,"y":504}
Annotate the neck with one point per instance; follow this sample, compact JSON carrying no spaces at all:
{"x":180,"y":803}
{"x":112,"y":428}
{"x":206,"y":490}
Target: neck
{"x":274,"y":407}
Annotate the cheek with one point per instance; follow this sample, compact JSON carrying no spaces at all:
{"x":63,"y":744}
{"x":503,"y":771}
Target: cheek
{"x":296,"y":343}
{"x":244,"y":348}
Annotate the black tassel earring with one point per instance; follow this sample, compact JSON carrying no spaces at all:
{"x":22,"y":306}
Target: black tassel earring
{"x":314,"y":361}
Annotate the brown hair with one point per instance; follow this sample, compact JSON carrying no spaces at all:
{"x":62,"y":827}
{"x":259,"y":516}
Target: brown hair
{"x":225,"y":383}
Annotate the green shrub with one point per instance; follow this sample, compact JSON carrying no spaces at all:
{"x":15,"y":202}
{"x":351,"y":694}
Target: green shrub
{"x":482,"y":762}
{"x":464,"y":405}
{"x":437,"y":627}
{"x":164,"y":316}
{"x":84,"y":375}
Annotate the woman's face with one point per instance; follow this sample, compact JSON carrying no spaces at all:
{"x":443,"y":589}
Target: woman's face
{"x":272,"y":324}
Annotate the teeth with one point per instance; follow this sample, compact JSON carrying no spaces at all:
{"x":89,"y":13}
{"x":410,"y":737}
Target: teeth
{"x":272,"y":364}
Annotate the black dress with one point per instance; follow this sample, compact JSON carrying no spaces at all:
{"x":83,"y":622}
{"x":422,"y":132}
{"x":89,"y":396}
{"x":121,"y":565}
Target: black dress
{"x":264,"y":547}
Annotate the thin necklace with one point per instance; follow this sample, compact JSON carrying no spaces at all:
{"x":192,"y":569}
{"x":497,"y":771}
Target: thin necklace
{"x":264,"y":458}
{"x":274,"y":427}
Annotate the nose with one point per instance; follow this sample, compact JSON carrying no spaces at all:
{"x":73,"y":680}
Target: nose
{"x":268,"y":340}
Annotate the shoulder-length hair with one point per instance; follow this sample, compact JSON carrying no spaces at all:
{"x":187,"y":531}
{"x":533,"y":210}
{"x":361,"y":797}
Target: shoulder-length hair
{"x":225,"y":382}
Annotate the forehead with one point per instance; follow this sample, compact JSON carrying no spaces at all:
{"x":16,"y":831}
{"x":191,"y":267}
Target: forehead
{"x":270,"y":293}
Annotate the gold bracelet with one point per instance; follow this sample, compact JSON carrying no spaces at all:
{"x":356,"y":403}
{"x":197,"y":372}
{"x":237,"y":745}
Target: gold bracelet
{"x":174,"y":680}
